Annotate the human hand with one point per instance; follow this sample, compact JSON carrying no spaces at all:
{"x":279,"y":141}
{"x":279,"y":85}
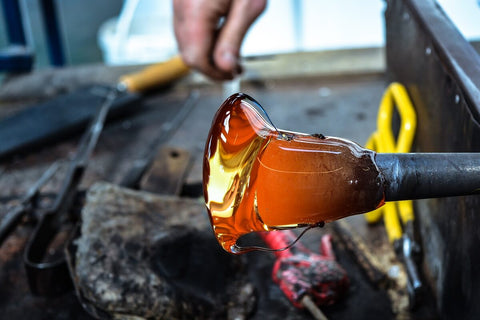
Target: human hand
{"x":207,"y":46}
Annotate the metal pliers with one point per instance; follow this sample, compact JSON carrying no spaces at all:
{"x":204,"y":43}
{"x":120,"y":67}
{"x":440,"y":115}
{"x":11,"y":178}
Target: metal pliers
{"x":400,"y":233}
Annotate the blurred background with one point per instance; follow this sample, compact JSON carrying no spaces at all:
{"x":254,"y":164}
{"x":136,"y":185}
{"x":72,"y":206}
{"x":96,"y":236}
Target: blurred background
{"x":139,"y":31}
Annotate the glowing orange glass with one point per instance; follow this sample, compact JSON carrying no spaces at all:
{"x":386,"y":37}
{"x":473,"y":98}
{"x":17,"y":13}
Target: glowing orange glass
{"x":259,"y":178}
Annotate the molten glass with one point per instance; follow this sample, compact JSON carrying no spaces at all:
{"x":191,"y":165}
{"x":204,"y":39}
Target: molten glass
{"x":259,"y":178}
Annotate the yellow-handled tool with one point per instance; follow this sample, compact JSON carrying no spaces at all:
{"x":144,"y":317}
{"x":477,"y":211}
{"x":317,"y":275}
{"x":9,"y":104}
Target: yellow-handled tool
{"x":40,"y":265}
{"x":56,"y":119}
{"x":383,"y":140}
{"x":398,"y":216}
{"x":155,"y":75}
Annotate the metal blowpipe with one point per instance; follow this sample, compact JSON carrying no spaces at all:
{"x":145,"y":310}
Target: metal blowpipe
{"x":429,"y":175}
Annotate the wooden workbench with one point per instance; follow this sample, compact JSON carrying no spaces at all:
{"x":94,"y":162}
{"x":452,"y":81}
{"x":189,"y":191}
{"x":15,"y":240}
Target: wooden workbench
{"x":331,"y":103}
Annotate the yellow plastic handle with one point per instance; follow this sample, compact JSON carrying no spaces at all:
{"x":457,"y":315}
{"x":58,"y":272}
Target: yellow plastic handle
{"x":406,"y":210}
{"x":383,"y":140}
{"x":398,"y":94}
{"x":156,"y":75}
{"x":391,"y":221}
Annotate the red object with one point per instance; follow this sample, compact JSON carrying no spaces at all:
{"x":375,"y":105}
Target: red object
{"x":299,"y":272}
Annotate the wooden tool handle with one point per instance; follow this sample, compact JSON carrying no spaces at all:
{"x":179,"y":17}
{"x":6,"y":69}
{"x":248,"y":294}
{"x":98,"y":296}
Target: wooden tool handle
{"x":155,"y":75}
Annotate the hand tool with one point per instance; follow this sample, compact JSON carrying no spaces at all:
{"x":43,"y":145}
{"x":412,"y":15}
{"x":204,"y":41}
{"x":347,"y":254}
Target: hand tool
{"x":26,"y":205}
{"x":406,"y":248}
{"x":232,"y":86}
{"x":51,"y":276}
{"x":131,"y":180}
{"x":69,"y":113}
{"x":306,"y":278}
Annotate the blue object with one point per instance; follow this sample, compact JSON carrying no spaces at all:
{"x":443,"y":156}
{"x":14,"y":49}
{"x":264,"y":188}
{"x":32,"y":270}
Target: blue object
{"x":16,"y":57}
{"x":13,"y":20}
{"x":50,"y":21}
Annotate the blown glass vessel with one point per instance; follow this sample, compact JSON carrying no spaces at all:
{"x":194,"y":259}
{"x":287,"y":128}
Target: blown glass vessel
{"x":259,"y":178}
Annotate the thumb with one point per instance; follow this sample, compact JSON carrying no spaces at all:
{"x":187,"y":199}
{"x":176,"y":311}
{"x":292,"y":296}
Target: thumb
{"x":240,"y":17}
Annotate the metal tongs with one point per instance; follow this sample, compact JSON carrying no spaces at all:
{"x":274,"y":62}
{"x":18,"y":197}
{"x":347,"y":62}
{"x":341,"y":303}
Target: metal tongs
{"x":51,"y":276}
{"x":26,"y":205}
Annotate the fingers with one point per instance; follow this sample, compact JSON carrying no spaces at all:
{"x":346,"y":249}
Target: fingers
{"x":241,"y":16}
{"x":195,"y":25}
{"x":204,"y":47}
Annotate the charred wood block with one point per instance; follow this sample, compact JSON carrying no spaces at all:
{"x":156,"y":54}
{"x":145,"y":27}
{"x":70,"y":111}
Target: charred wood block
{"x":167,"y":173}
{"x":155,"y":257}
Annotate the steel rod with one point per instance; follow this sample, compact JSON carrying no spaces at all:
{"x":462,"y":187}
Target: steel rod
{"x":429,"y":175}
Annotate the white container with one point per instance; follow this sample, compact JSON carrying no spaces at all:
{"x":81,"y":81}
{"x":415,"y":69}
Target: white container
{"x":142,"y":33}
